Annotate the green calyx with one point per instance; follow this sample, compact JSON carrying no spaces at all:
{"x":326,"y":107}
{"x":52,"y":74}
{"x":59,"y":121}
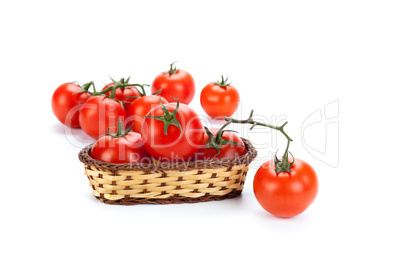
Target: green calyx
{"x":85,"y":89}
{"x":223,"y":82}
{"x":142,"y":92}
{"x":280,"y":165}
{"x":216,"y":141}
{"x":283,"y":165}
{"x":168,"y":118}
{"x":172,"y":70}
{"x":112,"y":95}
{"x":122,"y":84}
{"x":120,"y":132}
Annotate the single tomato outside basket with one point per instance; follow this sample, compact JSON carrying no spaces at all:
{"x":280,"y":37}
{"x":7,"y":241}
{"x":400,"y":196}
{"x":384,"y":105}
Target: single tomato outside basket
{"x":220,"y":99}
{"x":285,"y":194}
{"x":67,"y":99}
{"x":283,"y":188}
{"x":175,"y":84}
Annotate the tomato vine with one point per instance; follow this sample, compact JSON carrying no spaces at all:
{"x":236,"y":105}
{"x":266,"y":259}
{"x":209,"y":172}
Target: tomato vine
{"x":280,"y":165}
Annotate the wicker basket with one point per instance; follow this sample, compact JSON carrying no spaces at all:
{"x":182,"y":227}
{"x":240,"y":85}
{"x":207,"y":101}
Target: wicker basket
{"x":166,"y":183}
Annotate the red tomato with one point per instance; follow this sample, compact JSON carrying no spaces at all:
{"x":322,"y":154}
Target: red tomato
{"x":174,"y":144}
{"x":99,"y":113}
{"x":139,"y":108}
{"x":126,"y":149}
{"x":66,"y":105}
{"x":226,"y":150}
{"x":123,"y":94}
{"x":219,"y":99}
{"x":175,"y":83}
{"x":286,"y":194}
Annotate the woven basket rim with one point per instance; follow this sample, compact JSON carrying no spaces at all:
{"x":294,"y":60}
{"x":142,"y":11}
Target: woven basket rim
{"x":247,"y":158}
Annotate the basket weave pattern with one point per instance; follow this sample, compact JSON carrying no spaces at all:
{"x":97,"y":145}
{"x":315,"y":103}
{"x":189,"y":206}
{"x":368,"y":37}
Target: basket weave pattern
{"x":192,"y":182}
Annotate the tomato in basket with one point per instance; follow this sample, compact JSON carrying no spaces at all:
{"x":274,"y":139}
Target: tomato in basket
{"x":123,"y":146}
{"x":172,"y":132}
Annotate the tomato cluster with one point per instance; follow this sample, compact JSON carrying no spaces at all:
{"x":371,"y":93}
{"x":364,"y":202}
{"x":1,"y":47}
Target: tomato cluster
{"x":132,"y":127}
{"x":169,"y":129}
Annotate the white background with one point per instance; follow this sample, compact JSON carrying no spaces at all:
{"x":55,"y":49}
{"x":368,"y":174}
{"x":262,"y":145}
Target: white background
{"x":287,"y":58}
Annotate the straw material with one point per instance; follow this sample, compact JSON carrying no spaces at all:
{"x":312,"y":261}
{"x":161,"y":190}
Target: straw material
{"x":166,"y":183}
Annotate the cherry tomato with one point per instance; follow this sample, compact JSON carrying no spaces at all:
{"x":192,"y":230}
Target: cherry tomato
{"x":286,"y":194}
{"x":219,"y":99}
{"x":99,"y":113}
{"x":122,"y":147}
{"x":175,"y":83}
{"x":123,"y":94}
{"x":226,"y":150}
{"x":174,"y":144}
{"x":66,"y":104}
{"x":139,"y":108}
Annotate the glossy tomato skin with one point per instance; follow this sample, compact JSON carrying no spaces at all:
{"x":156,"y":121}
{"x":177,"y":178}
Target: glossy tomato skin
{"x":218,"y":101}
{"x":173,"y":147}
{"x":127,"y":149}
{"x":179,"y":85}
{"x":123,"y":94}
{"x":286,"y":194}
{"x":66,"y":106}
{"x":226,"y":150}
{"x":141,"y":107}
{"x":99,"y":113}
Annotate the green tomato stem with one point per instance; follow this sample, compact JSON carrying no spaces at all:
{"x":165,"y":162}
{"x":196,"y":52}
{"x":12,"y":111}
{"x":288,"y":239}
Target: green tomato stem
{"x":223,"y":83}
{"x":172,"y":70}
{"x":168,"y":118}
{"x":282,"y":165}
{"x":120,"y":132}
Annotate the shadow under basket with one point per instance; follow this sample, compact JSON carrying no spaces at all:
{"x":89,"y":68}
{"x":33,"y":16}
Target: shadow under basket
{"x":167,"y":183}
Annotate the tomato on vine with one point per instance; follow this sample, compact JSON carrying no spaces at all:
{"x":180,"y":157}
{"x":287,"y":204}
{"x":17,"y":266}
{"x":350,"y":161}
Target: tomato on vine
{"x":125,"y":92}
{"x":99,"y":113}
{"x":141,"y":106}
{"x":120,"y":147}
{"x":67,"y":99}
{"x":175,"y":84}
{"x":172,"y":132}
{"x":220,"y":144}
{"x":287,"y":193}
{"x":219,"y":99}
{"x":283,"y":188}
